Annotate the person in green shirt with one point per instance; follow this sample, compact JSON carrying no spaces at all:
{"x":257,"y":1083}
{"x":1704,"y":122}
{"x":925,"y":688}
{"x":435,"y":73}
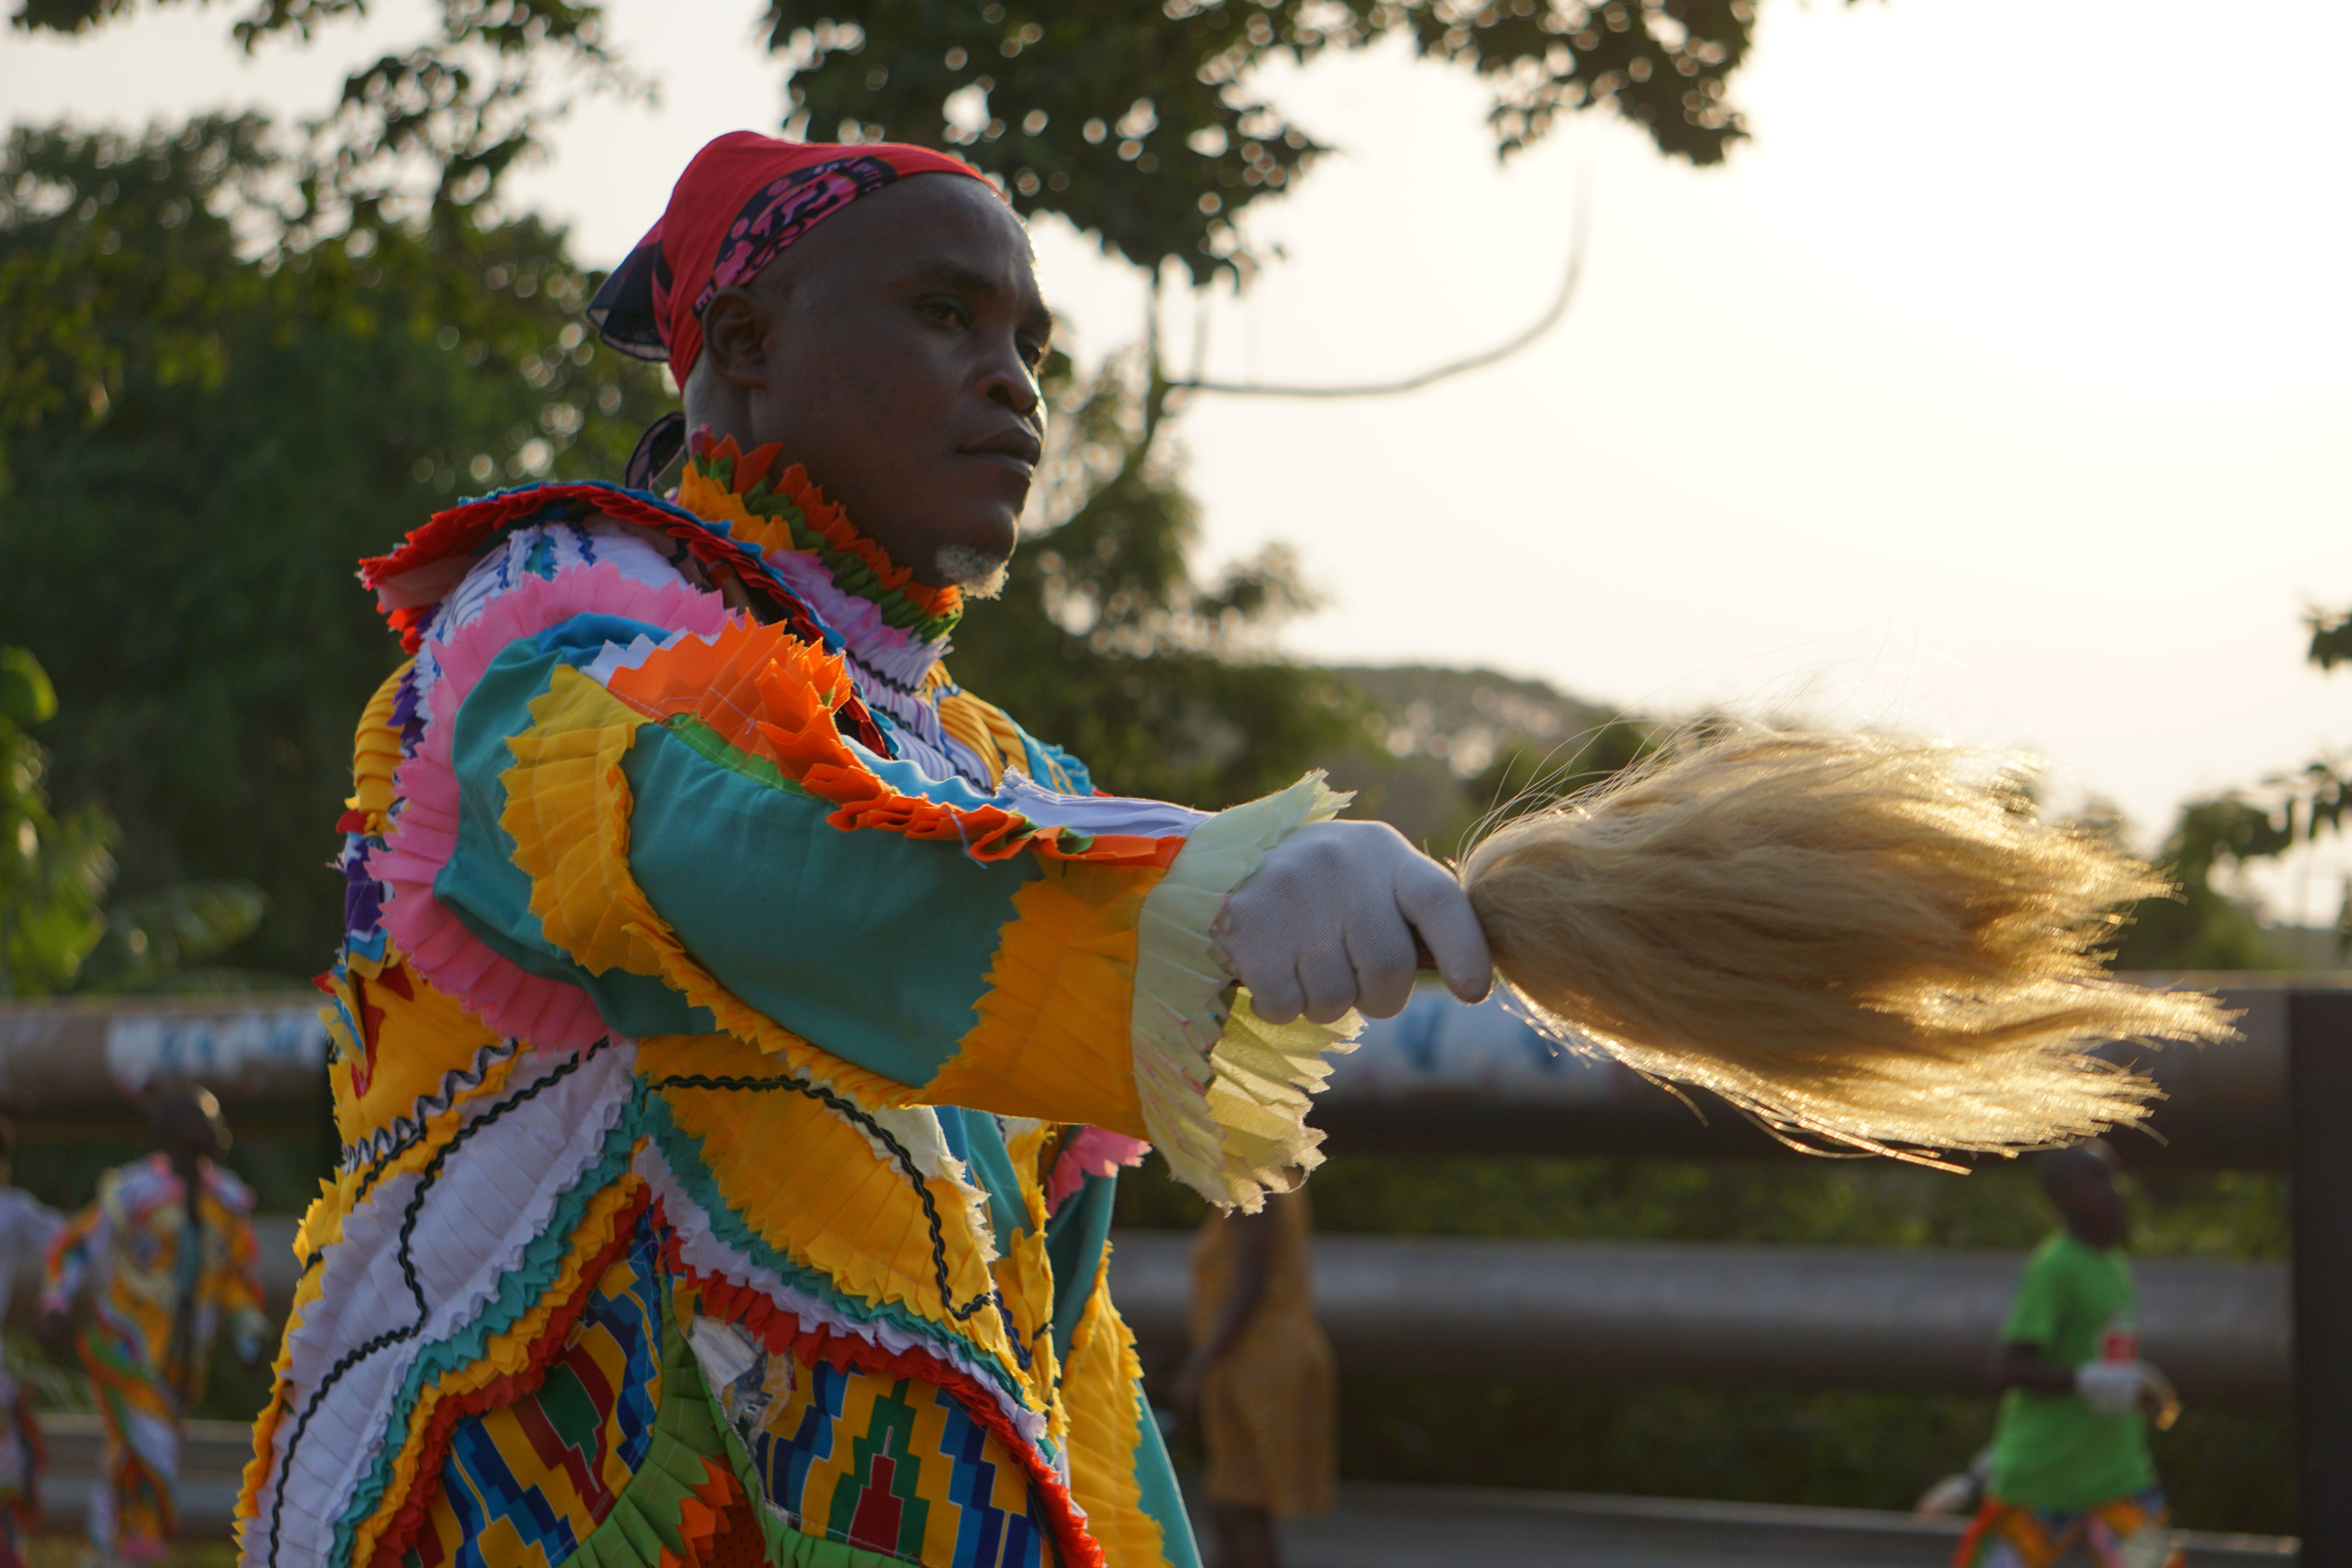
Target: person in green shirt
{"x":2070,"y":1466}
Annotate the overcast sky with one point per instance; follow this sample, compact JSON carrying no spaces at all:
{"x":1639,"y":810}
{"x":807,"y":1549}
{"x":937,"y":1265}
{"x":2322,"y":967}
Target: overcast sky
{"x":2000,"y":388}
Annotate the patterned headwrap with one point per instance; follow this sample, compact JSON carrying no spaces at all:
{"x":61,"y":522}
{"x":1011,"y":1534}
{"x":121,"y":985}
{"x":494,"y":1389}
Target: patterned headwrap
{"x":743,"y":199}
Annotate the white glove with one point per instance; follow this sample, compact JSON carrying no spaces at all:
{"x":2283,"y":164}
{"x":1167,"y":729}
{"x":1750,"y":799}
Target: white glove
{"x":2120,"y":1388}
{"x":1328,"y":920}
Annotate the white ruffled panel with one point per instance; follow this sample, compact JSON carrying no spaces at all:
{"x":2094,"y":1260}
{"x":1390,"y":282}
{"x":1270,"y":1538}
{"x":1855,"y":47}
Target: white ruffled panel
{"x":706,"y":1252}
{"x":493,"y":1197}
{"x":1108,"y":814}
{"x":561,"y":547}
{"x":887,"y":650}
{"x":1223,"y":1092}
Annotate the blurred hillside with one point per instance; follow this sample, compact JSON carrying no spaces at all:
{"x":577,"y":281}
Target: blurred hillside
{"x":1433,"y":748}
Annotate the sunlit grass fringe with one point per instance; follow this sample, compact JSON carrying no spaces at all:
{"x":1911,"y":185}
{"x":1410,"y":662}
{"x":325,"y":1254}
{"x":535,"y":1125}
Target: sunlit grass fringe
{"x":1866,"y":940}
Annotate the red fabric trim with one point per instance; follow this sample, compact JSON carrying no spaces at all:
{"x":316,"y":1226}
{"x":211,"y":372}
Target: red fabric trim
{"x":398,"y":1536}
{"x":783,"y":1333}
{"x":718,"y":227}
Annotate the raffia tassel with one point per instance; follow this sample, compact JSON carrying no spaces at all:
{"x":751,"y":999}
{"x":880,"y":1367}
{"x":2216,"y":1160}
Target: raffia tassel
{"x":1871,"y":941}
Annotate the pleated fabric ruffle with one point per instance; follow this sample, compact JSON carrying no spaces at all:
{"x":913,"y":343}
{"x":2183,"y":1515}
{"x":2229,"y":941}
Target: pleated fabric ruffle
{"x":429,"y":1268}
{"x":569,"y":806}
{"x":1225,"y":1093}
{"x":424,"y":834}
{"x":1102,"y":1387}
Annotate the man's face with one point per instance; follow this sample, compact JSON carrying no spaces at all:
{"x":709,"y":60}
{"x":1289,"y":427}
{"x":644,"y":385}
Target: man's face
{"x":893,"y":351}
{"x":2092,"y":1203}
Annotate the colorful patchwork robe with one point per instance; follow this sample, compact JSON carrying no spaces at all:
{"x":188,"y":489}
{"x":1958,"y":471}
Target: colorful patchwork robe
{"x":738,"y":1026}
{"x":156,"y":1283}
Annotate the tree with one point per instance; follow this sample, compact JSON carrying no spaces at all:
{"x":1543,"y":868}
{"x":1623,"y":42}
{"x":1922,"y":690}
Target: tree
{"x":180,"y":542}
{"x":1171,"y":142}
{"x":55,"y":872}
{"x":2286,"y":812}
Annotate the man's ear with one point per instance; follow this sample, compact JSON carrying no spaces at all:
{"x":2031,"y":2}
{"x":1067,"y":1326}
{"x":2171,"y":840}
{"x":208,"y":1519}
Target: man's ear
{"x":735,"y":336}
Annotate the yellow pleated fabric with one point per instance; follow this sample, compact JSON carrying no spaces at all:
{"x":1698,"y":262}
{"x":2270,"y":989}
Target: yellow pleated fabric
{"x":413,"y":1038}
{"x":815,"y":1187}
{"x":981,"y":726}
{"x":1024,"y":1271}
{"x":375,"y":753}
{"x":1098,"y":1392}
{"x":560,"y":792}
{"x":1053,"y":1037}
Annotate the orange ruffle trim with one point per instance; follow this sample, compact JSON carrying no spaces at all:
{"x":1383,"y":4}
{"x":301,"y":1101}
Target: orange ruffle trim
{"x":773,"y":695}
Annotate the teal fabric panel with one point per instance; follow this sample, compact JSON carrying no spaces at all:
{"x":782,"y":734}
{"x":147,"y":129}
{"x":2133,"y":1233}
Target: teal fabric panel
{"x":978,"y":1139}
{"x":1076,"y":1237}
{"x":1155,"y":1476}
{"x":1044,"y":760}
{"x":869,"y":944}
{"x":486,"y":890}
{"x":582,"y":637}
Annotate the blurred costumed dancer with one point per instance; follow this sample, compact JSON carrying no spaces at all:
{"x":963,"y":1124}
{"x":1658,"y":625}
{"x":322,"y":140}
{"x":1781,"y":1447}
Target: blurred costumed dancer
{"x":25,"y":1227}
{"x":140,"y":1282}
{"x":738,"y":1023}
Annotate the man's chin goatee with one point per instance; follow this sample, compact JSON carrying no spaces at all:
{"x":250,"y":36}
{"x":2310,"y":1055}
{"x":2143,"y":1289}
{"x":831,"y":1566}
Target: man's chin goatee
{"x":979,"y":573}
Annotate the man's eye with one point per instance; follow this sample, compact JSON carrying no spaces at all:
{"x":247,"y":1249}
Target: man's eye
{"x":947,"y":313}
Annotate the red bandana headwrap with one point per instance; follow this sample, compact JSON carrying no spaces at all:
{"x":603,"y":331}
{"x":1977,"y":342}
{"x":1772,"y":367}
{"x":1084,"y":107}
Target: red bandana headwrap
{"x":743,"y":199}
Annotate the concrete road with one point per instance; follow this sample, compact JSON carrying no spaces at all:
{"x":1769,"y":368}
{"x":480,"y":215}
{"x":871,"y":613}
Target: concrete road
{"x":1439,"y":1527}
{"x":1375,"y":1525}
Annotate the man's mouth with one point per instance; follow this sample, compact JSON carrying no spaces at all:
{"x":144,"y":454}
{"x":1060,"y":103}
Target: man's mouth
{"x":1016,"y":448}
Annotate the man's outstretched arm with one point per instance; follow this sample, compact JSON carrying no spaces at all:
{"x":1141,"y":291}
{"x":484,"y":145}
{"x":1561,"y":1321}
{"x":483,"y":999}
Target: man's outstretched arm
{"x":673,"y":823}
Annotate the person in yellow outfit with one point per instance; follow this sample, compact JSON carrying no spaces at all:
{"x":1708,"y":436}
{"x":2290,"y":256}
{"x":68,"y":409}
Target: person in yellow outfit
{"x":1259,"y":1377}
{"x":139,"y":1283}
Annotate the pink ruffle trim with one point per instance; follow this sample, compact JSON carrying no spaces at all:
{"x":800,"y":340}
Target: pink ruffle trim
{"x":508,"y":998}
{"x":1095,"y":1152}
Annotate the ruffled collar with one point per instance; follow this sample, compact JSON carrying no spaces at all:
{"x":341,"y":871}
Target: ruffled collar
{"x":890,"y":624}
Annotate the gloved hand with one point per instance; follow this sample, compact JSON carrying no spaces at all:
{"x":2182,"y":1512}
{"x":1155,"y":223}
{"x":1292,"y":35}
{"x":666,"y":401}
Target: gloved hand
{"x":2120,"y":1388}
{"x":1332,"y":916}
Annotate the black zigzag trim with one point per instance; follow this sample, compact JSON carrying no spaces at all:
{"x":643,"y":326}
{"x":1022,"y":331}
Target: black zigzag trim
{"x":906,"y":1161}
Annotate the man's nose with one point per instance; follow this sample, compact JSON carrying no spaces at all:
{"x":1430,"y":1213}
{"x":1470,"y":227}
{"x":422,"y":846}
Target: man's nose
{"x":1010,"y":385}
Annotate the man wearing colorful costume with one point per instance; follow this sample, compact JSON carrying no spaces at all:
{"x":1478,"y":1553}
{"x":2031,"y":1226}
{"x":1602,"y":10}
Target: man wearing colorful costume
{"x":26,"y":1227}
{"x":738,"y":1023}
{"x":152,"y":1274}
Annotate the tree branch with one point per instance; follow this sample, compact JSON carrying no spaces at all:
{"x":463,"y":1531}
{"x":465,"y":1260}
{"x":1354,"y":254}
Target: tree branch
{"x":1578,"y":243}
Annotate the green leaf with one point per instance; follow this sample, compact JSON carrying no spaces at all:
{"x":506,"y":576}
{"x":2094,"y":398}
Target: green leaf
{"x":26,"y":695}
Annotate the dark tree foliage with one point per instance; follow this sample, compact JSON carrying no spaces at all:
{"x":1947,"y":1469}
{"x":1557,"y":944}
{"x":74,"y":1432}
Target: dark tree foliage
{"x":426,"y":132}
{"x":2204,"y":929}
{"x":179,"y":545}
{"x":1132,"y":119}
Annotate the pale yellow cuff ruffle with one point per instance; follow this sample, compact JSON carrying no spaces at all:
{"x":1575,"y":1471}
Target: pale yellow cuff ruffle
{"x":1225,"y":1092}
